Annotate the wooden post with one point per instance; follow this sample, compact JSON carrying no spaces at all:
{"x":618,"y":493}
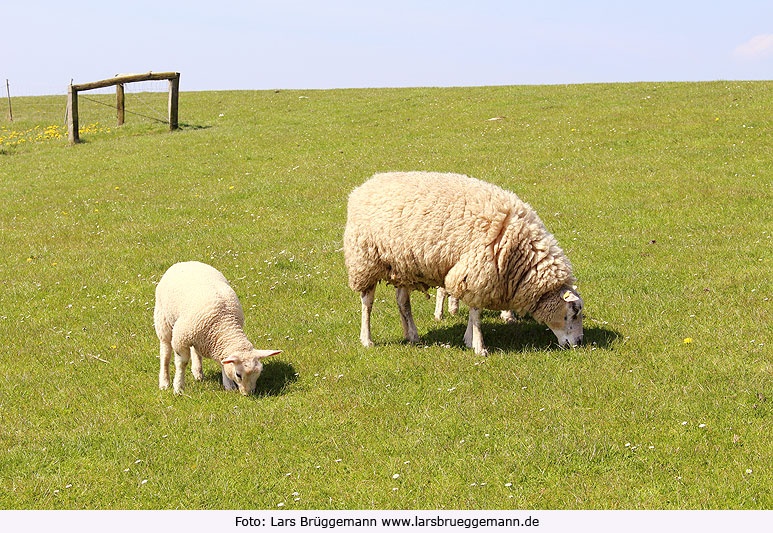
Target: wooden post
{"x":174,"y":97}
{"x":8,"y":92}
{"x":72,"y":114}
{"x":119,"y":103}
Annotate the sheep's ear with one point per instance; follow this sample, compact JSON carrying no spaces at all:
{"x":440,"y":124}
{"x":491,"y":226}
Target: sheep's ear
{"x":569,"y":296}
{"x":267,"y":353}
{"x":230,"y":359}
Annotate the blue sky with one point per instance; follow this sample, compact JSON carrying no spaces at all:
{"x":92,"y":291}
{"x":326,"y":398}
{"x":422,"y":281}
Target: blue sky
{"x":226,"y":44}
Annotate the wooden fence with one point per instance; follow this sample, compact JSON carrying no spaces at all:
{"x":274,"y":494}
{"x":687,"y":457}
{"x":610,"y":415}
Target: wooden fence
{"x":119,"y":81}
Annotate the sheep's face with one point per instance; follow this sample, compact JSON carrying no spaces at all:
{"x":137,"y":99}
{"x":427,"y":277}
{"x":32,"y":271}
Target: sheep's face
{"x":561,"y":311}
{"x":245,"y":368}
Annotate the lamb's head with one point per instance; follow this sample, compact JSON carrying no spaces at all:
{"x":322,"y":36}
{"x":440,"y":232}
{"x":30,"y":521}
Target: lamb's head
{"x":244,"y":368}
{"x":561,"y":311}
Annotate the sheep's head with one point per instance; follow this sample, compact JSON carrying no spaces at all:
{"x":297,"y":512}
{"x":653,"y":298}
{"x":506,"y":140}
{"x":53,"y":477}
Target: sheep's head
{"x":244,"y":368}
{"x":561,"y":311}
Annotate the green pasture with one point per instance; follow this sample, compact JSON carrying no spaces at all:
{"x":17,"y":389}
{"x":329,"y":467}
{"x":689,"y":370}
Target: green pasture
{"x":660,"y":193}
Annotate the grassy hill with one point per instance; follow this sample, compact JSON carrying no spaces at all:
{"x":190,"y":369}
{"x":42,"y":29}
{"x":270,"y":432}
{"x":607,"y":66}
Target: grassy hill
{"x":661,"y":195}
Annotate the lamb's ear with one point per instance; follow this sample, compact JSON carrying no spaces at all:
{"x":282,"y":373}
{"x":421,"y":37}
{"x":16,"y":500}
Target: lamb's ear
{"x":230,"y":359}
{"x":569,"y":296}
{"x":267,"y":353}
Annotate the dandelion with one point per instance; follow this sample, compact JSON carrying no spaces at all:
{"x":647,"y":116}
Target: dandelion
{"x":687,"y":340}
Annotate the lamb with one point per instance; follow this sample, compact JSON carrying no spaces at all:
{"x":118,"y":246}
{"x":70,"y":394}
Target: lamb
{"x":197,"y":314}
{"x":453,"y":306}
{"x":479,"y":242}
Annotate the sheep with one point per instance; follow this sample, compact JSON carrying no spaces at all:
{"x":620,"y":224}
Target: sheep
{"x":453,"y":307}
{"x":197,"y":314}
{"x":479,"y":242}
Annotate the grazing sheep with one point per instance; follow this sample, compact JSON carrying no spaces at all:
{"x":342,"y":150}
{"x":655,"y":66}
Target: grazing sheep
{"x":197,"y":315}
{"x":484,"y":245}
{"x":453,"y":307}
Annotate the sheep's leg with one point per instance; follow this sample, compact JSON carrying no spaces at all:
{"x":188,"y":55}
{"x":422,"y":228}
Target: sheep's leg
{"x":453,"y":305}
{"x":181,"y":357}
{"x":228,"y":383}
{"x":367,"y":296}
{"x":473,"y":337}
{"x":508,"y":316}
{"x":196,"y":365}
{"x":166,"y":356}
{"x":440,"y":299}
{"x":406,"y":316}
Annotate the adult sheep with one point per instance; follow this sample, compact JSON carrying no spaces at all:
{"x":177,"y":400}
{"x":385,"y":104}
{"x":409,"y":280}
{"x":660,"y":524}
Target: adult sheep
{"x":198,"y":314}
{"x":484,"y":245}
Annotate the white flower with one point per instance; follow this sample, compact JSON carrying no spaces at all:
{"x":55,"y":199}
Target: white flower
{"x":748,"y":470}
{"x":702,"y":425}
{"x":508,"y":484}
{"x":395,"y":476}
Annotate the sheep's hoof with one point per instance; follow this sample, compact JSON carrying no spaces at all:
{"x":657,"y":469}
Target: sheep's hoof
{"x":367,"y":343}
{"x":198,"y":376}
{"x":438,"y":317}
{"x":163,"y":384}
{"x":482,"y":353}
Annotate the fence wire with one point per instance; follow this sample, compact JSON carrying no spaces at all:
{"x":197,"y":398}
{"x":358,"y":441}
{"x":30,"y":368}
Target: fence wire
{"x":144,"y":102}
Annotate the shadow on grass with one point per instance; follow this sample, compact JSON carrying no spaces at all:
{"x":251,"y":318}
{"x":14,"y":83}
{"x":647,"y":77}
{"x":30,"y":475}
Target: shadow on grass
{"x":185,"y":126}
{"x":523,"y":334}
{"x":275,"y":377}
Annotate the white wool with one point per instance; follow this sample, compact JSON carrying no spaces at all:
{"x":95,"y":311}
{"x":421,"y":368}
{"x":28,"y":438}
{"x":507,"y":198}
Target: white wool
{"x":197,"y":314}
{"x":484,"y":245}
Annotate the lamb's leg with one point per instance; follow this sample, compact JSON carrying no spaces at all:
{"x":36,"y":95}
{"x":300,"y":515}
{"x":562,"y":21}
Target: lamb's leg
{"x":440,"y":299}
{"x":406,"y":316}
{"x":367,"y":296}
{"x":453,"y":305}
{"x":166,"y":356}
{"x":228,"y":383}
{"x":196,"y":365}
{"x":473,"y":338}
{"x":181,"y":357}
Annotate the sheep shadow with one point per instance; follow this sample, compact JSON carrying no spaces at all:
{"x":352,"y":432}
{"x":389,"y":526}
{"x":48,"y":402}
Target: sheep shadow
{"x":276,"y":376}
{"x":517,"y":336}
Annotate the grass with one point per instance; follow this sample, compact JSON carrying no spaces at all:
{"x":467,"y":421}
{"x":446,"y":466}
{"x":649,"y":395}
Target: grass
{"x":659,"y":193}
